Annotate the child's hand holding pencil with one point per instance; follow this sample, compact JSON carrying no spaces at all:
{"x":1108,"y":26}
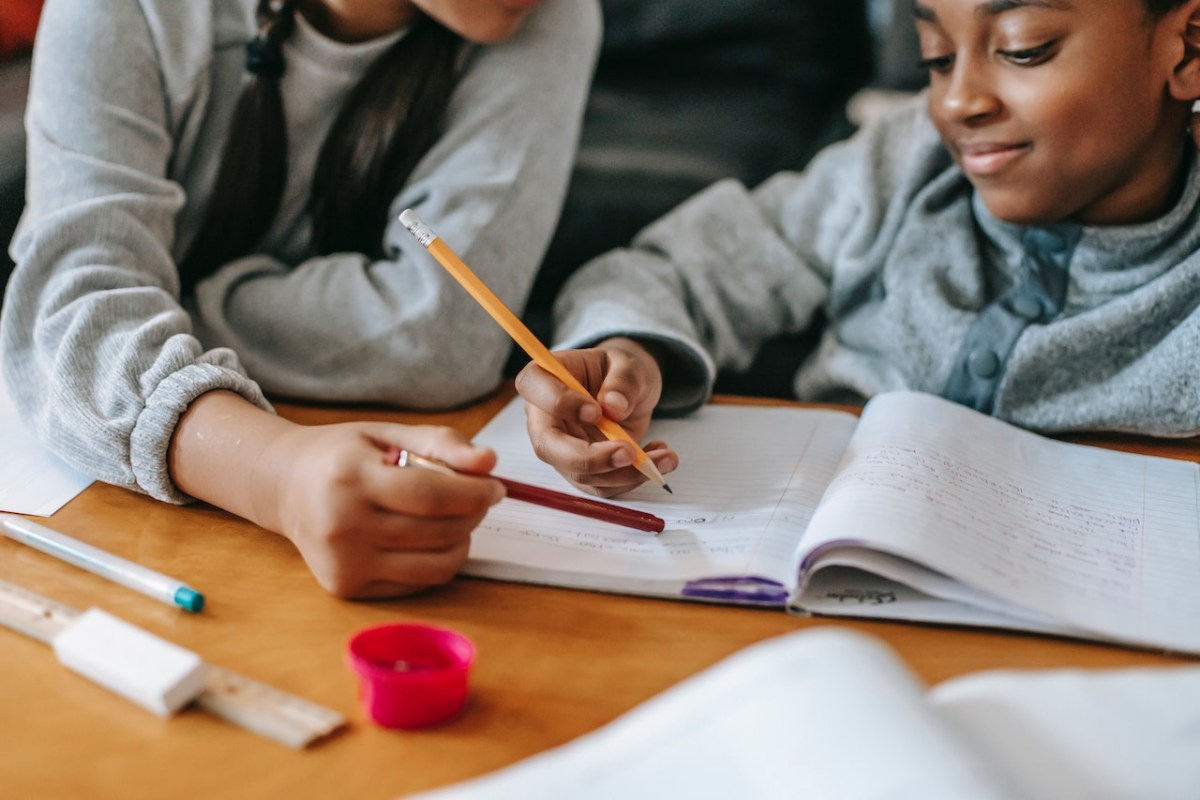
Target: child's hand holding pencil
{"x":568,"y":437}
{"x":625,"y":381}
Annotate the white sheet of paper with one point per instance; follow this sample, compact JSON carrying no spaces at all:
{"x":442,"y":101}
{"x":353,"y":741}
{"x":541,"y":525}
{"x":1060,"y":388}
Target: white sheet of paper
{"x":829,"y":712}
{"x":822,"y":713}
{"x":1105,"y":735}
{"x":32,"y":479}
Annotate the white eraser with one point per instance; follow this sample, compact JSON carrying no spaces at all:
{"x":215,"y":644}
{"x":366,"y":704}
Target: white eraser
{"x":134,"y":663}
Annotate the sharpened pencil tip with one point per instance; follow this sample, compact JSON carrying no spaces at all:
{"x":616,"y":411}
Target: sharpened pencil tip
{"x":668,"y":488}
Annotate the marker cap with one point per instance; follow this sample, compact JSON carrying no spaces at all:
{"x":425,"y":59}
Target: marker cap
{"x":410,"y":675}
{"x":188,"y":599}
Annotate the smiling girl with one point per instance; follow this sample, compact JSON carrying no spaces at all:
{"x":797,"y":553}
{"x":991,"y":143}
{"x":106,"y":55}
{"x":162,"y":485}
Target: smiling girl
{"x":1023,"y":241}
{"x":211,"y":200}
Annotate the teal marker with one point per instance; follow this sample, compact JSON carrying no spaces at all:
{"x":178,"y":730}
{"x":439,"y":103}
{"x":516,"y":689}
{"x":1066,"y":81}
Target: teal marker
{"x":100,"y":562}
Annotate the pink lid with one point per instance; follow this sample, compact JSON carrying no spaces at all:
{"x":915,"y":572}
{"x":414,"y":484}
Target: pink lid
{"x":411,"y":675}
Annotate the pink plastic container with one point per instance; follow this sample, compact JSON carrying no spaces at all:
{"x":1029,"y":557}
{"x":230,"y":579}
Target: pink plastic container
{"x":410,"y":675}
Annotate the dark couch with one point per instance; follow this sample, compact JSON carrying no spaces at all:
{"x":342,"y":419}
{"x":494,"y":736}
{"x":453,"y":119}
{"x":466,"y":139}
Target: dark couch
{"x":691,"y":91}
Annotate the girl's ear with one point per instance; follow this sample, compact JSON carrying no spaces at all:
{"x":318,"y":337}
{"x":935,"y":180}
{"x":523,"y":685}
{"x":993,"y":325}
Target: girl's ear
{"x":1184,"y":82}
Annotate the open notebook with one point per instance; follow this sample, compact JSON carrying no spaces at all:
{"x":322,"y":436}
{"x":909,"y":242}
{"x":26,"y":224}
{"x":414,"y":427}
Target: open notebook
{"x":921,"y":509}
{"x":830,"y":713}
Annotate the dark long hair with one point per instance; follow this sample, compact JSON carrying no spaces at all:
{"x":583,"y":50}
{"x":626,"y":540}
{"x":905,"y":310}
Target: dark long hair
{"x":387,"y":123}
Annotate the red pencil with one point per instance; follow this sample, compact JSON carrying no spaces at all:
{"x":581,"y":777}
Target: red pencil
{"x":583,"y":506}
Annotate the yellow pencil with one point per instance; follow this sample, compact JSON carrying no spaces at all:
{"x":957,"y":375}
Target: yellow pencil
{"x":519,"y":332}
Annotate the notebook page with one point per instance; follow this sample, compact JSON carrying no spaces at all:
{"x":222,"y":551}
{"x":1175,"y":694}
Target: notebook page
{"x":1104,"y":541}
{"x":825,"y":713}
{"x":749,"y":479}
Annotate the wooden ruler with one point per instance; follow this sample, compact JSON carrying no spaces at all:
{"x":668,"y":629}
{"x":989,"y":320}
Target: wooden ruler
{"x":267,"y":711}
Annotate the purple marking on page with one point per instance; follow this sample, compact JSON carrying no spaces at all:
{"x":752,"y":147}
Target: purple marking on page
{"x":738,"y":589}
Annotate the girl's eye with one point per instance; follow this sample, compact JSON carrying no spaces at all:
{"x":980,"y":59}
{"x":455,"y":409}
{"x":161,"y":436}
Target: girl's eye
{"x":936,"y":63}
{"x":1029,"y":57}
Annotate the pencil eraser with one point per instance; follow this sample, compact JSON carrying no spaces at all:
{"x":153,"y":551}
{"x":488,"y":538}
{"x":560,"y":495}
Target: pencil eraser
{"x":134,"y":663}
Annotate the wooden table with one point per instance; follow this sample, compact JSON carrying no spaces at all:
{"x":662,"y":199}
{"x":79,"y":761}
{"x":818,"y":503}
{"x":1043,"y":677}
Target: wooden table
{"x":553,"y":664}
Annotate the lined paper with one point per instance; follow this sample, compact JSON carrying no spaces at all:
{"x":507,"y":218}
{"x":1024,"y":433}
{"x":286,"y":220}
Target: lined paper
{"x":738,"y":509}
{"x":936,"y":513}
{"x":1101,"y":540}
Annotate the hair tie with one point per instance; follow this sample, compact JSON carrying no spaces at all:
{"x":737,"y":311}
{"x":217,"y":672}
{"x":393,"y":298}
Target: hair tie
{"x":264,"y":56}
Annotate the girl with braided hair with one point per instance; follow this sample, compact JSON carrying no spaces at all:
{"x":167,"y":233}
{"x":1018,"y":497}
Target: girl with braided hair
{"x":212,"y":197}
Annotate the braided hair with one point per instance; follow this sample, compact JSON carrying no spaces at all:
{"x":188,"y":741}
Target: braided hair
{"x":387,"y":123}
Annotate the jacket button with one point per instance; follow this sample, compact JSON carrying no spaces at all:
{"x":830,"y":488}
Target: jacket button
{"x":1027,"y":307}
{"x":983,"y":363}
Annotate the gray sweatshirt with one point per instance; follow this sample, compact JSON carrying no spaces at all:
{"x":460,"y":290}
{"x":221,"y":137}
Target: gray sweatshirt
{"x":128,"y":110}
{"x":1055,"y":329}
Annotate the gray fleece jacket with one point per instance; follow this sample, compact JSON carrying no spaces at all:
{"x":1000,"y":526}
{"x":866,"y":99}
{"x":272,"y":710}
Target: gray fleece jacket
{"x":129,"y":106}
{"x":1055,"y":329}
